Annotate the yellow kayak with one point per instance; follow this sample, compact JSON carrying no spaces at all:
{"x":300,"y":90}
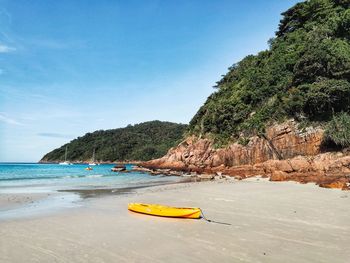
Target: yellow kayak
{"x":161,"y":210}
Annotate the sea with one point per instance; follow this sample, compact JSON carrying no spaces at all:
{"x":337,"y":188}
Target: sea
{"x":34,"y":177}
{"x":69,"y":181}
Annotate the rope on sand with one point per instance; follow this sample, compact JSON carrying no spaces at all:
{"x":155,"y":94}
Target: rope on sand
{"x":212,"y":221}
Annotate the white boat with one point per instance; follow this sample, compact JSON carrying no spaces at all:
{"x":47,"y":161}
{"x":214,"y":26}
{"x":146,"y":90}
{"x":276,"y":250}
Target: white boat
{"x":93,"y":159}
{"x":65,"y":159}
{"x":65,"y":163}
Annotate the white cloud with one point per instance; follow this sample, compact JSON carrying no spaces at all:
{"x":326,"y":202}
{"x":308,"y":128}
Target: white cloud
{"x":6,"y":49}
{"x":4,"y":118}
{"x":54,"y":135}
{"x":53,"y":43}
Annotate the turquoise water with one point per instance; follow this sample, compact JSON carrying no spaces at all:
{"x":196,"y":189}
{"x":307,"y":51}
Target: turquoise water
{"x":46,"y":180}
{"x":33,"y":177}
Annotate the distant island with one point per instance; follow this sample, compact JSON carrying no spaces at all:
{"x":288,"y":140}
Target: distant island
{"x":141,"y":142}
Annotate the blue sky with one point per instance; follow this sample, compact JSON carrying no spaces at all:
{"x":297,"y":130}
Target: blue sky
{"x":71,"y":67}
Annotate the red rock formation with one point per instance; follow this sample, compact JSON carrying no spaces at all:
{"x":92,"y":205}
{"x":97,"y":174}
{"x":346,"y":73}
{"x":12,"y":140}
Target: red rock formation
{"x":285,"y":153}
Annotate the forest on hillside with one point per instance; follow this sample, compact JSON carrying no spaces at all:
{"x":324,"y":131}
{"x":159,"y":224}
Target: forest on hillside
{"x":142,"y":141}
{"x":305,"y":75}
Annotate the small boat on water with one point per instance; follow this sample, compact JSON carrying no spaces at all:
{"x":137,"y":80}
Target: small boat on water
{"x":119,"y":168}
{"x":167,"y":211}
{"x":65,"y":163}
{"x":88,"y":168}
{"x":93,"y":159}
{"x":65,"y":159}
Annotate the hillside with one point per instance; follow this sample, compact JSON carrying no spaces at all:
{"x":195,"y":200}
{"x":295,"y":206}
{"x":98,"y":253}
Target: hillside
{"x":283,"y":113}
{"x":142,"y":141}
{"x":304,"y":75}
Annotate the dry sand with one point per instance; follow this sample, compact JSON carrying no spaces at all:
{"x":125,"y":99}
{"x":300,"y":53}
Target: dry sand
{"x":270,"y":222}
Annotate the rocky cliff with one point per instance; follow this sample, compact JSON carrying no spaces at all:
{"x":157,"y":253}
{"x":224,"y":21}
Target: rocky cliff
{"x":284,"y":152}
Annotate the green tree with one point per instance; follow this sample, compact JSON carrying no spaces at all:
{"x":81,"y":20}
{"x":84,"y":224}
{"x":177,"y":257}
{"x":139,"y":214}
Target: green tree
{"x":304,"y":73}
{"x":142,"y":141}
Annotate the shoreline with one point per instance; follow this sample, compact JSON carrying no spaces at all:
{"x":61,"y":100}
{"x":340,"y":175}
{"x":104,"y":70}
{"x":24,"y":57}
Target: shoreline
{"x":20,"y":203}
{"x":87,"y":162}
{"x":327,"y":170}
{"x":269,"y":222}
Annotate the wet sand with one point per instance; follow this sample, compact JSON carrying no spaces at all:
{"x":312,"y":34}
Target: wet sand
{"x":16,"y":200}
{"x":270,"y":222}
{"x":99,"y":192}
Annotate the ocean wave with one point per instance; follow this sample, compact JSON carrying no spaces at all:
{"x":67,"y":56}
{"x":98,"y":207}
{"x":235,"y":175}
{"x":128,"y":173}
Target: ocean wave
{"x":70,"y":176}
{"x":53,"y":177}
{"x":29,"y":178}
{"x":94,"y":175}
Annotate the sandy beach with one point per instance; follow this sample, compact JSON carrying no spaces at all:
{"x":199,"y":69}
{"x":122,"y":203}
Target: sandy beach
{"x":11,"y":201}
{"x":269,"y":222}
